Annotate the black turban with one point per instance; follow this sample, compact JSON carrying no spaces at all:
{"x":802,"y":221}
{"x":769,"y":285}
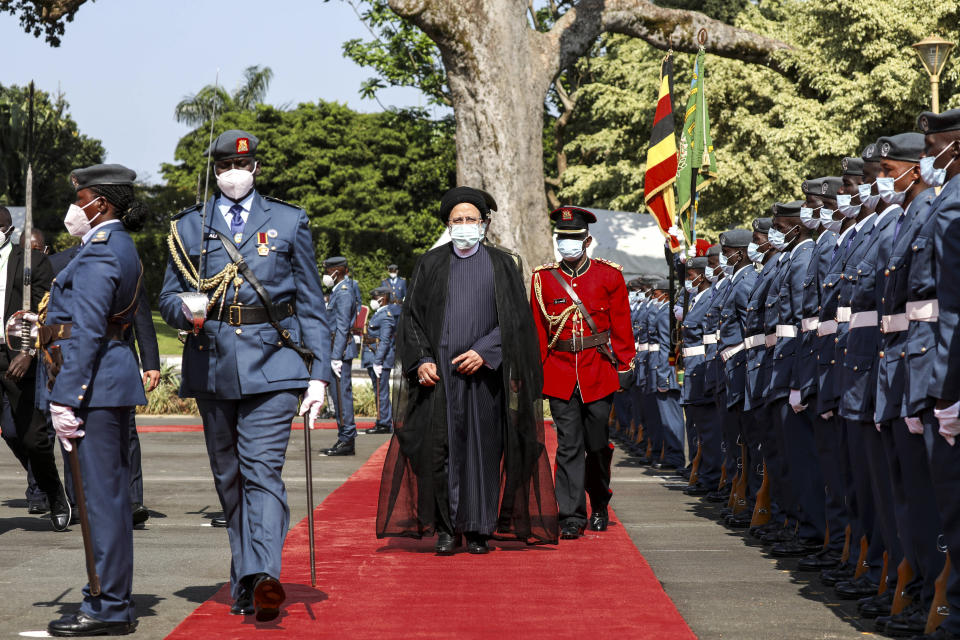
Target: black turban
{"x":459,"y":195}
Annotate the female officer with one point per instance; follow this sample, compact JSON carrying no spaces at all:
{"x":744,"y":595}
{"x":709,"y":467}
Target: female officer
{"x":94,"y":381}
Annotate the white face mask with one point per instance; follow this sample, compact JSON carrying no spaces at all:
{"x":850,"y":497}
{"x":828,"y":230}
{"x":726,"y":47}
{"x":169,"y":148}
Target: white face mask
{"x":888,"y":191}
{"x":832,"y":225}
{"x":848,"y":210}
{"x":392,"y":274}
{"x":688,"y":285}
{"x":76,"y":220}
{"x":466,"y":236}
{"x":727,"y":264}
{"x":932,"y":175}
{"x":235,"y":183}
{"x":808,"y":219}
{"x":868,"y":200}
{"x":754,"y":253}
{"x":374,"y":304}
{"x":710,"y":274}
{"x":570,"y":248}
{"x":776,"y":238}
{"x":328,"y":281}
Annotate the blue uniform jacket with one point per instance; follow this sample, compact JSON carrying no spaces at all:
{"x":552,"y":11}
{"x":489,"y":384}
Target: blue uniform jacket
{"x":733,"y":320}
{"x":100,"y":283}
{"x":946,"y":373}
{"x":694,"y":367}
{"x":229,"y":362}
{"x":398,"y":289}
{"x":805,"y":371}
{"x":891,"y":363}
{"x":859,"y":375}
{"x":771,"y":318}
{"x":753,"y":389}
{"x":382,"y":326}
{"x":642,"y":336}
{"x":664,"y":376}
{"x":790,"y":313}
{"x":711,"y":324}
{"x":342,"y":311}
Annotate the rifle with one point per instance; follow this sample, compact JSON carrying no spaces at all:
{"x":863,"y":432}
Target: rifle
{"x":939,"y":610}
{"x":761,"y":511}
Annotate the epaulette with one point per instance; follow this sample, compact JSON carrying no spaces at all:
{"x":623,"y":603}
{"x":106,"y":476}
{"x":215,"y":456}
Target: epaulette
{"x":609,"y":263}
{"x":389,"y":314}
{"x":179,"y":215}
{"x":344,"y":287}
{"x":100,"y":236}
{"x":279,"y":201}
{"x":549,"y":265}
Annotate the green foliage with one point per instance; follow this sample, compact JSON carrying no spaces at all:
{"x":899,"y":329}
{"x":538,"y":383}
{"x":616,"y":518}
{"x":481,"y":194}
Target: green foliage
{"x":370,"y":183}
{"x":164,"y":399}
{"x":197,"y":109}
{"x":167,"y":339}
{"x":58,"y":148}
{"x":855,"y":78}
{"x":43,"y":17}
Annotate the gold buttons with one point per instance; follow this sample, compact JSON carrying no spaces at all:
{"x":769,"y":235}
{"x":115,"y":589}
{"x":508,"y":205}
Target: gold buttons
{"x":79,"y":397}
{"x":893,"y":268}
{"x":844,"y":352}
{"x":886,"y":272}
{"x":881,"y":354}
{"x":836,"y":340}
{"x":200,"y":347}
{"x":854,"y":368}
{"x":84,"y":387}
{"x":239,"y":331}
{"x":923,"y":349}
{"x":903,"y":354}
{"x":833,"y":362}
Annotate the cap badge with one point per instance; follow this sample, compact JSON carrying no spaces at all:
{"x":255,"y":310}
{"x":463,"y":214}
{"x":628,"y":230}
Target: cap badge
{"x":271,"y":233}
{"x":805,"y":186}
{"x":566,"y":214}
{"x":823,"y":189}
{"x":844,"y":163}
{"x":243,"y":145}
{"x":868,"y":152}
{"x":924,"y":124}
{"x":885,"y":149}
{"x":74,"y":181}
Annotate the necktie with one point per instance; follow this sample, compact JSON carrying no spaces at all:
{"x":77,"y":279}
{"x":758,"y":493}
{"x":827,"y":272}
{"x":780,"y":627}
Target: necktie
{"x":846,"y":250}
{"x":236,"y":223}
{"x":896,"y":231}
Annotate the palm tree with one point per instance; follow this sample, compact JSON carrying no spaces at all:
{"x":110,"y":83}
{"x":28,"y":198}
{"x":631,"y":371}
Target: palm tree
{"x":196,"y":109}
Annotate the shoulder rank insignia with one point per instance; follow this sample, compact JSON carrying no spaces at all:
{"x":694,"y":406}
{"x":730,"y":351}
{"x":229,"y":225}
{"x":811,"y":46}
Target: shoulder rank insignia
{"x":179,"y":215}
{"x":279,"y":201}
{"x":548,"y":265}
{"x":610,"y":263}
{"x":100,"y":236}
{"x":344,"y":287}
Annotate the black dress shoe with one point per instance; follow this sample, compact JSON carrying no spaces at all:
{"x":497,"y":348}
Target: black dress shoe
{"x":685,"y":473}
{"x":243,"y":605}
{"x":776,"y":536}
{"x":477,"y":544}
{"x":789,"y":549}
{"x":340,"y":449}
{"x":60,"y":515}
{"x":599,"y":520}
{"x":37,"y":506}
{"x":447,"y":543}
{"x":910,"y":622}
{"x":855,"y":589}
{"x":697,"y":490}
{"x":763,"y":529}
{"x":268,"y":595}
{"x":377,"y":430}
{"x":718,"y":496}
{"x":831,"y":577}
{"x":80,"y":625}
{"x":140,"y":514}
{"x":740,"y":520}
{"x":570,"y":530}
{"x":823,"y":559}
{"x":220,"y":522}
{"x":938,"y":634}
{"x":876,"y":606}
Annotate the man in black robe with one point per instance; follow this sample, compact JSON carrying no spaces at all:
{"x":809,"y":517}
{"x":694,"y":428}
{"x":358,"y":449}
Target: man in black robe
{"x":467,"y":455}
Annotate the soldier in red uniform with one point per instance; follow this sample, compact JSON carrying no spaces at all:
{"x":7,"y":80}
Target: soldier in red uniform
{"x":582,"y":315}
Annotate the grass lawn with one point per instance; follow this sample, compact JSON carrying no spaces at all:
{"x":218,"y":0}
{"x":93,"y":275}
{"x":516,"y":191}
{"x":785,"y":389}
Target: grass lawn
{"x":166,"y":337}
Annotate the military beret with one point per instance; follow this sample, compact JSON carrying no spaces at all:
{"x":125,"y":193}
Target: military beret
{"x":650,"y":279}
{"x":233,"y":143}
{"x":392,"y":267}
{"x":737,"y":238}
{"x":906,"y":147}
{"x":99,"y":174}
{"x":662,"y":285}
{"x":570,"y":219}
{"x":479,"y":198}
{"x":634,"y":284}
{"x":787,"y":209}
{"x":335,"y":261}
{"x":930,"y":122}
{"x":697,"y":263}
{"x":380,"y":291}
{"x":714,"y":250}
{"x":811,"y":187}
{"x":870,"y":153}
{"x":762,"y":224}
{"x":852,"y":166}
{"x":830,"y":186}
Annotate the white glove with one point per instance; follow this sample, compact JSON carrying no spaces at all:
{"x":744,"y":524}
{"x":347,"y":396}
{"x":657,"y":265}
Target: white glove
{"x":378,"y":370}
{"x":66,"y":424}
{"x":795,"y":402}
{"x":949,"y":422}
{"x":356,"y":338}
{"x":914,"y":425}
{"x":337,"y":366}
{"x":313,"y":400}
{"x":827,"y":415}
{"x":678,"y":311}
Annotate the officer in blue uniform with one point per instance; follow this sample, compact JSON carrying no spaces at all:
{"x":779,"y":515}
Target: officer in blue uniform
{"x":379,"y":353}
{"x":245,"y":364}
{"x":342,"y":311}
{"x":396,"y":284}
{"x":94,"y":382}
{"x":739,"y":430}
{"x":664,"y":380}
{"x":653,"y":426}
{"x":700,"y":412}
{"x":639,"y":389}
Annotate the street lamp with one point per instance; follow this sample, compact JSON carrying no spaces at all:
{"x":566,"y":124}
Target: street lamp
{"x":933,"y":52}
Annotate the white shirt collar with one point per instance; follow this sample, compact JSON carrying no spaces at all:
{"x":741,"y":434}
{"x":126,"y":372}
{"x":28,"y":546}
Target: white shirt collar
{"x":89,"y":234}
{"x":800,"y":244}
{"x":844,"y":234}
{"x":722,"y":283}
{"x":225,"y":203}
{"x":863,"y":223}
{"x":884,"y":213}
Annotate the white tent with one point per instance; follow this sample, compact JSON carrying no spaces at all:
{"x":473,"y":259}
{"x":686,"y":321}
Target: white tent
{"x":632,"y":240}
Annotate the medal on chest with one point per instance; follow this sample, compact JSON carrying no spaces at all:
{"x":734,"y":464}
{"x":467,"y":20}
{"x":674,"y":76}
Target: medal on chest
{"x":262,"y":248}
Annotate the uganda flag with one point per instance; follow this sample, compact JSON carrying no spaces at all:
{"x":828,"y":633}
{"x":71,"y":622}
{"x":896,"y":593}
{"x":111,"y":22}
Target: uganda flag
{"x":662,"y":161}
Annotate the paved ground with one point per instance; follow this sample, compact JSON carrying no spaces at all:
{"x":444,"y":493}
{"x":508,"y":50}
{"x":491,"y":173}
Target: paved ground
{"x":723,"y":587}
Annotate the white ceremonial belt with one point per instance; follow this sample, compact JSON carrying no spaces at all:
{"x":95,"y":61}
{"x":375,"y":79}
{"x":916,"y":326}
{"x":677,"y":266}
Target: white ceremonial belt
{"x":710,"y":338}
{"x":786,"y":331}
{"x":753,"y":341}
{"x":827,"y":328}
{"x":923,"y":310}
{"x":843,"y":314}
{"x":770,"y":339}
{"x":642,"y":346}
{"x":810,"y":324}
{"x":698,"y":350}
{"x":654,"y":347}
{"x":729,"y":352}
{"x":863,"y":319}
{"x":894,"y":323}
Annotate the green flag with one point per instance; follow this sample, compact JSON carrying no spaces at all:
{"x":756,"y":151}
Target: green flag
{"x":696,"y":165}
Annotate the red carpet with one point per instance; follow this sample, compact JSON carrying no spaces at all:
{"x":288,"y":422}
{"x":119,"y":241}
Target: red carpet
{"x":197,"y":427}
{"x":598,"y":586}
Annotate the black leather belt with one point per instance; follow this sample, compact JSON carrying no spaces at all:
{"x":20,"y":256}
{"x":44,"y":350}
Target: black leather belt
{"x":367,"y":340}
{"x":580,"y":343}
{"x":238,"y":314}
{"x":50,"y":333}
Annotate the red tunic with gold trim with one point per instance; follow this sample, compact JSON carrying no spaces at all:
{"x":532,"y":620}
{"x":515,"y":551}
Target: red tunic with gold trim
{"x":600,"y":285}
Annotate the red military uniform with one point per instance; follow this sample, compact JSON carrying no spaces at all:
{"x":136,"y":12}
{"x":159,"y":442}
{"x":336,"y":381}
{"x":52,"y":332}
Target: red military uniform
{"x":600,"y":285}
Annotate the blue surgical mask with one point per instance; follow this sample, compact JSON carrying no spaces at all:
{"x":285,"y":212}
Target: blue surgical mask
{"x":710,"y":275}
{"x":932,"y":175}
{"x":866,"y":199}
{"x":727,"y":264}
{"x":754,"y":253}
{"x":688,"y":285}
{"x":570,"y":248}
{"x":808,"y":219}
{"x":775,"y":236}
{"x":466,"y":236}
{"x":888,"y":191}
{"x":843,"y":204}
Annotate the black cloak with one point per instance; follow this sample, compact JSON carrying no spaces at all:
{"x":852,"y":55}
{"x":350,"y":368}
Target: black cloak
{"x":413,"y":487}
